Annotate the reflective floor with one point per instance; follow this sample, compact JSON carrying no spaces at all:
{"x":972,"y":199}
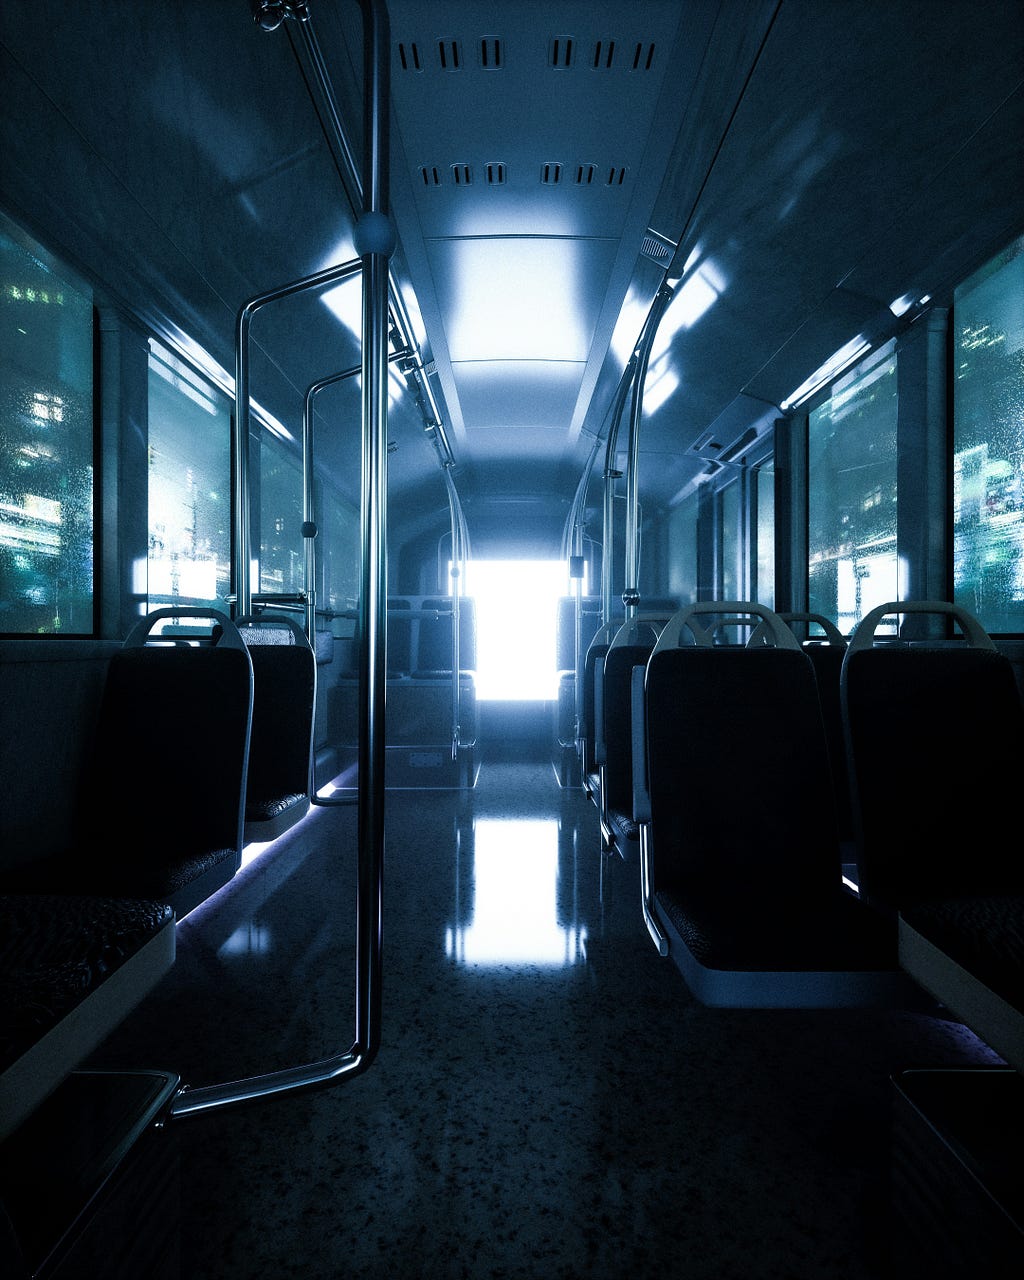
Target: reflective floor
{"x":549,"y":1101}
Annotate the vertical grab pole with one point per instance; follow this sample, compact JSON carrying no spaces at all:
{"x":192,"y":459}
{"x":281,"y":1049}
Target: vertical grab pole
{"x":631,"y":587}
{"x":243,"y":528}
{"x":610,"y":476}
{"x":458,"y":566}
{"x":309,"y":529}
{"x":374,"y":242}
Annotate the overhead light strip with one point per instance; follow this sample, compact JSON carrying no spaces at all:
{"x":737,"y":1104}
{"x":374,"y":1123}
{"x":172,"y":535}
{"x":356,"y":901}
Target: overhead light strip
{"x":831,"y":369}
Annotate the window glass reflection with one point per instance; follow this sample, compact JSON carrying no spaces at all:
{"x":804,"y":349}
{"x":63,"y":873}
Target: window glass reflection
{"x":852,"y":493}
{"x":518,"y":880}
{"x":988,"y":458}
{"x":46,"y":444}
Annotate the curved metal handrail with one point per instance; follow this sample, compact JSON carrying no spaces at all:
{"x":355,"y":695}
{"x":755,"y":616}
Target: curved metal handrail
{"x":373,"y":594}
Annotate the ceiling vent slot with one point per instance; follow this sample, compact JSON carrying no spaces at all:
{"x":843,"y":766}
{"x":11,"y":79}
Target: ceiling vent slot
{"x":450,"y":55}
{"x":585,"y":174}
{"x":496,"y":173}
{"x":431,"y":175}
{"x":655,"y":249}
{"x":561,"y":52}
{"x":462,"y":175}
{"x":551,"y":173}
{"x":704,"y":441}
{"x":643,"y":56}
{"x":492,"y":54}
{"x":616,"y":176}
{"x":604,"y":55}
{"x":409,"y":56}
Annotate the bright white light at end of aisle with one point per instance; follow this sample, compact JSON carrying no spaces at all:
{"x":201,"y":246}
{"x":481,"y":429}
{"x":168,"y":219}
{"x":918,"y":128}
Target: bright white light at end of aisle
{"x":516,"y":615}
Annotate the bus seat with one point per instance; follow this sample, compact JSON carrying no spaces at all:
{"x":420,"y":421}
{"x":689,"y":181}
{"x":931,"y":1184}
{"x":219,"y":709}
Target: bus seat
{"x":630,"y":647}
{"x":745,"y":870}
{"x":934,"y":735}
{"x":71,"y":969}
{"x":968,"y":952}
{"x":596,"y":650}
{"x":433,"y":658}
{"x":826,"y":653}
{"x":159,"y":811}
{"x":399,"y":661}
{"x":281,"y":741}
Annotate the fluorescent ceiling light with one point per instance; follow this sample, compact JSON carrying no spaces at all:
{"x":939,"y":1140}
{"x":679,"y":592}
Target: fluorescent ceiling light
{"x":900,"y":306}
{"x":517,"y":298}
{"x":831,"y":369}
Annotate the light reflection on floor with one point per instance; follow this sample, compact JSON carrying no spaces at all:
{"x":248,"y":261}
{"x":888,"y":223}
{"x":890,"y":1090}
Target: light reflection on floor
{"x":509,"y":879}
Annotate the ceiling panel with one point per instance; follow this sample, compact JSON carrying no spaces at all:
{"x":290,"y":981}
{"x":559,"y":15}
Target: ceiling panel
{"x":520,"y":297}
{"x":518,"y":393}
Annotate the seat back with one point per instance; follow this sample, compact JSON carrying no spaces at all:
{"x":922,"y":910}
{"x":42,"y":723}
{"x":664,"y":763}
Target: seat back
{"x":434,"y":648}
{"x":596,"y":651}
{"x":166,"y":784}
{"x":630,"y":647}
{"x":284,"y":701}
{"x":826,"y":654}
{"x":400,"y":628}
{"x":52,"y":691}
{"x":740,"y":794}
{"x":935,"y":744}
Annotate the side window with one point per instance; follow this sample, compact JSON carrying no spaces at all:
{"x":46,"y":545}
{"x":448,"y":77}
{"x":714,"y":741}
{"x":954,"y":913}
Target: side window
{"x":682,"y":549}
{"x":851,"y":469}
{"x":763,"y":492}
{"x":189,"y":559}
{"x":988,"y":443}
{"x":338,"y":554}
{"x":282,"y":566}
{"x":46,"y":444}
{"x":729,"y":543}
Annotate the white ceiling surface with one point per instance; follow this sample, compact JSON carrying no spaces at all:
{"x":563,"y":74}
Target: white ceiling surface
{"x":519,"y":283}
{"x":814,"y":161}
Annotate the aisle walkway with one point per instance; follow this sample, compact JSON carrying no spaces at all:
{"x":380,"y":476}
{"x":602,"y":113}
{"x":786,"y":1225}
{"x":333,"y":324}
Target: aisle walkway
{"x":548,"y":1100}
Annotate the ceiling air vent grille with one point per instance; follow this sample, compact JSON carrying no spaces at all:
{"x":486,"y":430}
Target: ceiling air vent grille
{"x":462,"y":175}
{"x":431,"y":175}
{"x":643,"y":56}
{"x":562,"y":52}
{"x":585,"y":174}
{"x":496,"y":173}
{"x":604,"y":55}
{"x":409,"y":56}
{"x":704,"y":441}
{"x":492,"y":53}
{"x":655,"y":249}
{"x":616,"y":176}
{"x":449,"y":55}
{"x":551,"y":173}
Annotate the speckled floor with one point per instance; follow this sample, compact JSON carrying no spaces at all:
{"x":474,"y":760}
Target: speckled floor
{"x":548,"y":1101}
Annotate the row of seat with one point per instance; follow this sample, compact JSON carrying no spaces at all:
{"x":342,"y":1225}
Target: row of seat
{"x":421,"y":633}
{"x":763,"y":770}
{"x":132,"y":776}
